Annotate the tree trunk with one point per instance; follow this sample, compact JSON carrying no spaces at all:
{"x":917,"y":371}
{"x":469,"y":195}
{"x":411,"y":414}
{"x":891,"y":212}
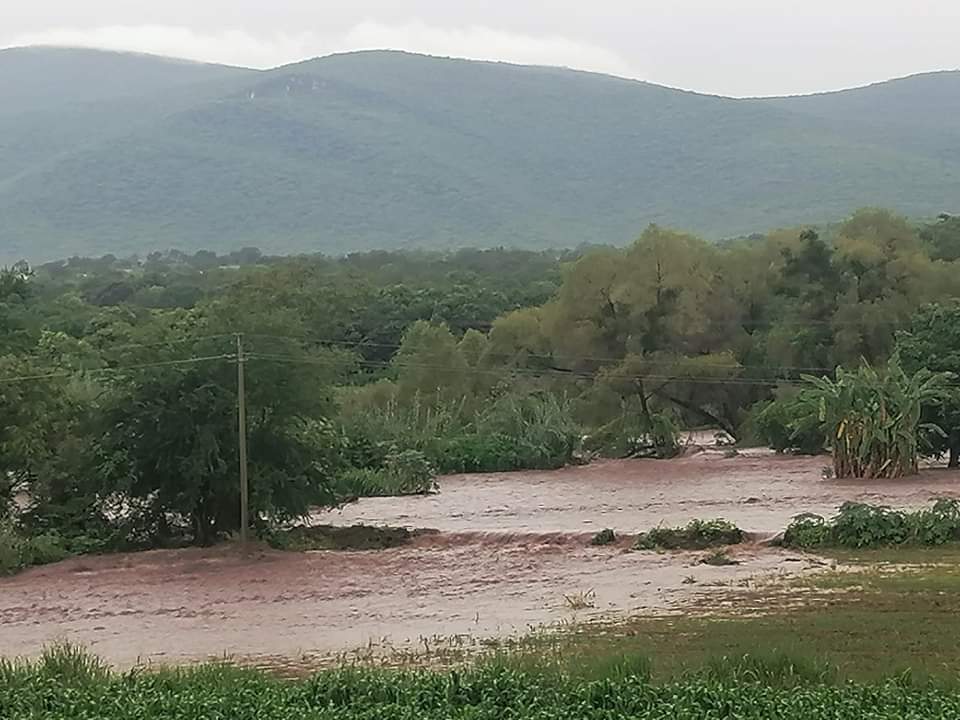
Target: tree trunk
{"x":954,"y":460}
{"x":705,"y":414}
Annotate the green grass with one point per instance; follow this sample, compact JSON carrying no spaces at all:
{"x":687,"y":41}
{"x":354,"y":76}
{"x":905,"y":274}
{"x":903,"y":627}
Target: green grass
{"x":748,"y":687}
{"x":898,"y":612}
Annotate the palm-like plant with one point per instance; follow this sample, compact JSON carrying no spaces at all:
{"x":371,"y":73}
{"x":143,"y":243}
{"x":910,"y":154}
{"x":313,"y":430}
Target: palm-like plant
{"x":870,"y":417}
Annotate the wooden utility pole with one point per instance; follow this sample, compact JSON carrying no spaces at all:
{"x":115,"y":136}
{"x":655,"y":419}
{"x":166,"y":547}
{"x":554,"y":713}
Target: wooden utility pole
{"x":242,"y":430}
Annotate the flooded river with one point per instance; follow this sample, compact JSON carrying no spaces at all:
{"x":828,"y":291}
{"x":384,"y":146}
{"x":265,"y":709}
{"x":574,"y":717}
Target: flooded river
{"x":511,"y":550}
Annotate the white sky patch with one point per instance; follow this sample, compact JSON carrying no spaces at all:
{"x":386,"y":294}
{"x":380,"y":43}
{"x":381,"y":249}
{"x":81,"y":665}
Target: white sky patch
{"x":241,"y":47}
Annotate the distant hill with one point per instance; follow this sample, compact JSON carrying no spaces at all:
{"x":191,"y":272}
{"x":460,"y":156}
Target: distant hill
{"x":109,"y":152}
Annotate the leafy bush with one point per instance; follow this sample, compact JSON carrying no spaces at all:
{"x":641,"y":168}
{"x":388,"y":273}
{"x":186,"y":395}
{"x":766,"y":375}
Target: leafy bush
{"x":858,"y":525}
{"x":806,"y":531}
{"x":696,"y":535}
{"x":19,"y":551}
{"x":42,"y":550}
{"x":937,"y":525}
{"x":871,"y":417}
{"x":410,"y":472}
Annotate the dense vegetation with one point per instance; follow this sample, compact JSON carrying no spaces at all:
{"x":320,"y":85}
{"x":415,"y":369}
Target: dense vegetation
{"x":105,"y":152}
{"x":858,"y":525}
{"x":67,"y":684}
{"x":371,"y":374}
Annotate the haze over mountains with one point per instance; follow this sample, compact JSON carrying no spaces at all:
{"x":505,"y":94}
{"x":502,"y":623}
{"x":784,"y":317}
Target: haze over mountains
{"x":107,"y":152}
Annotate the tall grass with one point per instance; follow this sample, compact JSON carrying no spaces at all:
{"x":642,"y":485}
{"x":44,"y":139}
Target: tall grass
{"x":511,"y":432}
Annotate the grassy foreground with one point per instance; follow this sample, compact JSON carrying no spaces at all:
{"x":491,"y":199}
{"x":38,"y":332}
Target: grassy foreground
{"x":67,"y":684}
{"x":879,"y":613}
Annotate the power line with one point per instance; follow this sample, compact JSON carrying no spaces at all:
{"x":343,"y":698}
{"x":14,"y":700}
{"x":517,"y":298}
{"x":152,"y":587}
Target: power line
{"x":115,"y":370}
{"x":545,"y":372}
{"x":546,"y":356}
{"x":170,"y":343}
{"x":131,"y":346}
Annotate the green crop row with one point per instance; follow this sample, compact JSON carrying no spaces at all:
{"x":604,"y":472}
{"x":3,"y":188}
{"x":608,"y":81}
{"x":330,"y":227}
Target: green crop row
{"x":67,"y":684}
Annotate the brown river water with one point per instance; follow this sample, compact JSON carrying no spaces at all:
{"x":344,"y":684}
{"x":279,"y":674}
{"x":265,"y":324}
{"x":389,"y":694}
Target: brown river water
{"x":510,"y":548}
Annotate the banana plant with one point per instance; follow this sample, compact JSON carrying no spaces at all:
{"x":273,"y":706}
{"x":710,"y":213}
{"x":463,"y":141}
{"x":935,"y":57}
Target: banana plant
{"x":870,"y":417}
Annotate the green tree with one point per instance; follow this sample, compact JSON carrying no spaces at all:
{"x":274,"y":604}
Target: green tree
{"x":943,"y":237}
{"x":933,"y":343}
{"x":170,"y":443}
{"x":430,"y":365}
{"x":887,"y":275}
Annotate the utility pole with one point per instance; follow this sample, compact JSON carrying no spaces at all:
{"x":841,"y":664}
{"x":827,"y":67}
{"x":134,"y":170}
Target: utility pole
{"x":242,"y":429}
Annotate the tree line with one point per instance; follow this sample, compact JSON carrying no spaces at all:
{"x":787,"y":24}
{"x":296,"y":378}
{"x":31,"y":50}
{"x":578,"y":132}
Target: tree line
{"x":371,"y":373}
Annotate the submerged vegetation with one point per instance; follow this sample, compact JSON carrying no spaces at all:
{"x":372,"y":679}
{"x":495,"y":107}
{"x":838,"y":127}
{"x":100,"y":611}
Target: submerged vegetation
{"x":695,"y":535}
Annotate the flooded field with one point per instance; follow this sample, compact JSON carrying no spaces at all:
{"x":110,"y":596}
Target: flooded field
{"x":512,"y":554}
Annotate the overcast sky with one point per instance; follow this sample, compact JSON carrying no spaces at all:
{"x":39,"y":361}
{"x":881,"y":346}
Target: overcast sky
{"x":731,"y":47}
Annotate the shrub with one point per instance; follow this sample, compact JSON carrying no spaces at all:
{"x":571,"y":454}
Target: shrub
{"x":604,"y":537}
{"x":696,"y":535}
{"x":858,"y":525}
{"x":10,"y":543}
{"x":42,"y":550}
{"x":513,"y":432}
{"x":806,"y":531}
{"x":937,"y":525}
{"x":410,"y":472}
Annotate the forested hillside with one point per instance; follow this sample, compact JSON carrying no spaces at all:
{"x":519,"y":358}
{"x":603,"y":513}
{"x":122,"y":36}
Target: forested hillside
{"x":103,"y":152}
{"x":369,"y":374}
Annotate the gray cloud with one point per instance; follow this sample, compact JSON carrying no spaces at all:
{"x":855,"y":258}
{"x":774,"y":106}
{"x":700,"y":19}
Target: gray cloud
{"x":735,"y":47}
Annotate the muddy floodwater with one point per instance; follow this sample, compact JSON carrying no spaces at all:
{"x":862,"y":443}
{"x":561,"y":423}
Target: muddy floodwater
{"x":757,"y":490}
{"x":511,"y":551}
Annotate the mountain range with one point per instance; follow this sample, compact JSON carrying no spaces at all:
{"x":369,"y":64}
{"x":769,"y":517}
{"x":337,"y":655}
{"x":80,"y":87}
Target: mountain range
{"x":124,"y":153}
